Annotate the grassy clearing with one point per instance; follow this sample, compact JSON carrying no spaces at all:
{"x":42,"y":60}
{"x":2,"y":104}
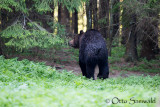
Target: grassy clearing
{"x":25,"y":83}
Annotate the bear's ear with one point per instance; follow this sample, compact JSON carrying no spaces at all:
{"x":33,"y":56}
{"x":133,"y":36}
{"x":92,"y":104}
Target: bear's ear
{"x":81,"y":32}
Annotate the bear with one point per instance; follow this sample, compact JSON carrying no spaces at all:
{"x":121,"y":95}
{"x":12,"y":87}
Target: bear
{"x":92,"y":51}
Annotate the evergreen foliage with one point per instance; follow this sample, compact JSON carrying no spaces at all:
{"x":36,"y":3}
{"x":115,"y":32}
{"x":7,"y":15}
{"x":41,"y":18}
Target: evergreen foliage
{"x":23,"y":39}
{"x":9,"y":5}
{"x":142,"y":8}
{"x":23,"y":33}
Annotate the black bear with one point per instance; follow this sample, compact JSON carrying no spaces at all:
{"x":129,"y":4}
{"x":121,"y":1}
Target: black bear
{"x":92,"y":52}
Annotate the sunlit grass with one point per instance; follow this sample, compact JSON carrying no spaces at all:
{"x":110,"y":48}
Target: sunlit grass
{"x":25,"y":83}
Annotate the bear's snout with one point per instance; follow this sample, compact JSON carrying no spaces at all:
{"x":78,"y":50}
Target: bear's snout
{"x":71,"y":43}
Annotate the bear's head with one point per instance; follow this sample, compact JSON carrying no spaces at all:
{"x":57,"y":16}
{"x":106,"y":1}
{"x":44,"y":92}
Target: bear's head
{"x":75,"y":43}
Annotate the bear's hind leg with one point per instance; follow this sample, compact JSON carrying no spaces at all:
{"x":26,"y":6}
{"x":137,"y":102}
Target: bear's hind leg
{"x":90,"y":71}
{"x":103,"y":70}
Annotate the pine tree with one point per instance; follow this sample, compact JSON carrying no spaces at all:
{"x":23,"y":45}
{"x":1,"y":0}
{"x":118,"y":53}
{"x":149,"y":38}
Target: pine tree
{"x":89,"y":14}
{"x":104,"y":18}
{"x":29,"y":23}
{"x":75,"y":21}
{"x":115,"y":17}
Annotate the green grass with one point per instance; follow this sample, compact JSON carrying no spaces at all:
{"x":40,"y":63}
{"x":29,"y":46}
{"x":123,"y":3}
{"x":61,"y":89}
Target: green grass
{"x":75,"y":53}
{"x":29,"y":84}
{"x":116,"y":54}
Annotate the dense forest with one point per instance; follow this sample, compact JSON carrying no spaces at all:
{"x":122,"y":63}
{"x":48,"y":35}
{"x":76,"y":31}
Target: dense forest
{"x":32,"y":23}
{"x":39,"y":31}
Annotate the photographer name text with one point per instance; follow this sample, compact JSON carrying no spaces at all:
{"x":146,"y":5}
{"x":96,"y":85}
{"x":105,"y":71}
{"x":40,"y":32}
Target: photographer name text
{"x":131,"y":101}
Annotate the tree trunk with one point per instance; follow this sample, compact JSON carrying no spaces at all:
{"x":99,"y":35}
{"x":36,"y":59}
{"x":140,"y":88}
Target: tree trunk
{"x":115,"y":23}
{"x":149,"y":48}
{"x":89,"y":14}
{"x":75,"y":21}
{"x":150,"y":41}
{"x":131,"y":45}
{"x":1,"y":53}
{"x":59,"y":13}
{"x":104,"y":18}
{"x":64,"y":17}
{"x":95,"y":19}
{"x":49,"y":18}
{"x":108,"y":20}
{"x":5,"y":19}
{"x":125,"y":26}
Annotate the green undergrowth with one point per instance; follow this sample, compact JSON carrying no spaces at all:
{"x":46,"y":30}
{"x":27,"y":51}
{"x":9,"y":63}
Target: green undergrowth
{"x":116,"y":54}
{"x":30,"y":84}
{"x":142,"y":65}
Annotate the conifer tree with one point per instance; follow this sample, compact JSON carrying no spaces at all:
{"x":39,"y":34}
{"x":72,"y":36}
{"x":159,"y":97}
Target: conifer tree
{"x":29,"y":23}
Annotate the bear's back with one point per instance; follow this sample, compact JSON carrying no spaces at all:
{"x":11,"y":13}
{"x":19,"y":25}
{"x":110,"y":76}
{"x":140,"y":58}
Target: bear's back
{"x":92,"y":39}
{"x":93,"y":44}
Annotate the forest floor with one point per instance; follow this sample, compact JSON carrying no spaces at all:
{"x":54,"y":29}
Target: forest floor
{"x":29,"y":84}
{"x":63,"y":60}
{"x":51,"y":87}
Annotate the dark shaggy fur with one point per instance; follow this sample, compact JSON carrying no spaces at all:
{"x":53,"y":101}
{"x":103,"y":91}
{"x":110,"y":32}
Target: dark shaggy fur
{"x":92,"y":52}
